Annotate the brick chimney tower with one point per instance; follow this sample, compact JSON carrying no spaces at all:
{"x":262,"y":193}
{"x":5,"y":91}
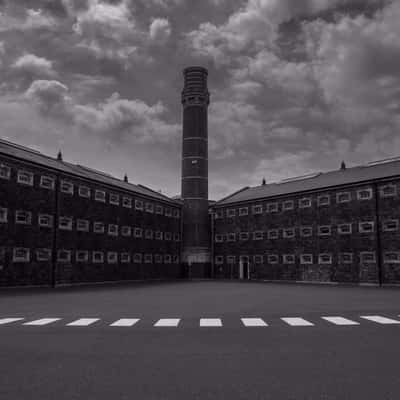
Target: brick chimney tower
{"x":196,"y":235}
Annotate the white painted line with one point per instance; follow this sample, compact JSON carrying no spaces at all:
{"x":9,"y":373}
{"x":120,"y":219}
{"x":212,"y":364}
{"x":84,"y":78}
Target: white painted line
{"x":340,"y":321}
{"x":297,"y":321}
{"x":380,"y":320}
{"x":43,"y":321}
{"x":173,"y":322}
{"x":4,"y":321}
{"x":83,"y":322}
{"x":216,"y":322}
{"x":253,"y":322}
{"x":125,"y":322}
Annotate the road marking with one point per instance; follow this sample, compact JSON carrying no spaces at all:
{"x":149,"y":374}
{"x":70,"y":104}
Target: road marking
{"x":253,"y":322}
{"x":83,"y":322}
{"x":4,"y":321}
{"x":43,"y":321}
{"x":380,"y":320}
{"x":167,"y":322}
{"x":125,"y":322}
{"x":216,"y":322}
{"x":340,"y":321}
{"x":297,"y":322}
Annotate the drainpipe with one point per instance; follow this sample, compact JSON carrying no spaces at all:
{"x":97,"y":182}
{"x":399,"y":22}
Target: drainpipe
{"x":212,"y":245}
{"x":378,"y":235}
{"x":55,"y":229}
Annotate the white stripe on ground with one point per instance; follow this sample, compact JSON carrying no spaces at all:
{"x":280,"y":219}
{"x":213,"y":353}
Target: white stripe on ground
{"x":297,"y":321}
{"x":125,"y":322}
{"x":380,"y":320}
{"x":167,"y":322}
{"x":216,"y":322}
{"x":253,"y":322}
{"x":4,"y":321}
{"x":83,"y":322}
{"x":43,"y":321}
{"x":340,"y":321}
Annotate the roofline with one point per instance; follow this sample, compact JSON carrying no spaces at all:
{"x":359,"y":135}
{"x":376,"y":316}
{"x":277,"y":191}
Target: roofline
{"x":233,"y":194}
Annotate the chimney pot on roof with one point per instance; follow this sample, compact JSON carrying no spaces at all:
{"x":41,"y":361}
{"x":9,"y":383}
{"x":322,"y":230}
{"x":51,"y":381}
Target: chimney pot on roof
{"x":264,"y":182}
{"x":125,"y":178}
{"x":59,"y":155}
{"x":343,"y":166}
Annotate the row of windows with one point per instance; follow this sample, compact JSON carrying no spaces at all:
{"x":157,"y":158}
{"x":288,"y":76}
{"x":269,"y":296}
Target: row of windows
{"x":48,"y":182}
{"x":307,"y":231}
{"x":322,"y":258}
{"x":306,"y":202}
{"x":22,"y":254}
{"x":66,"y":223}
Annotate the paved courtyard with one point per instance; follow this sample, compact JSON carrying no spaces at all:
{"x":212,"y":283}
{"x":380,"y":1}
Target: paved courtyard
{"x":203,"y":340}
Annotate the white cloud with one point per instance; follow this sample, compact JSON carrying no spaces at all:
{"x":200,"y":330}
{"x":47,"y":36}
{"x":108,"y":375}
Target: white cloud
{"x":160,"y":30}
{"x":33,"y":19}
{"x":32,"y":64}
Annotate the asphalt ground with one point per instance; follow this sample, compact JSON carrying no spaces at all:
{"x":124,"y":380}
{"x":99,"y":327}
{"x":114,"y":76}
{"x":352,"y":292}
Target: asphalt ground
{"x":322,"y":361}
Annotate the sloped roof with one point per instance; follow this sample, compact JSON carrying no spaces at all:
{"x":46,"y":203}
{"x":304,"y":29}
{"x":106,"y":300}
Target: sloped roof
{"x":27,"y":154}
{"x":321,"y":180}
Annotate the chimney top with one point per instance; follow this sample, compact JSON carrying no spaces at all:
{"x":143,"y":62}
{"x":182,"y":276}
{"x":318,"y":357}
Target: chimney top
{"x":264,"y":182}
{"x":125,"y":178}
{"x":343,"y":166}
{"x":59,"y":156}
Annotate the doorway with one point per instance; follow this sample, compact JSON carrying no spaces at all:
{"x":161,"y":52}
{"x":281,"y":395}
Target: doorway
{"x":244,"y":268}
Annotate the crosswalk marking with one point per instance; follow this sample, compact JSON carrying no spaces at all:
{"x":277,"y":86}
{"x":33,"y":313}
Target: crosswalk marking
{"x":43,"y":321}
{"x":253,"y":322}
{"x":215,"y":322}
{"x":4,"y":321}
{"x":167,"y":322}
{"x":125,"y":322}
{"x":297,"y":321}
{"x":380,"y":320}
{"x":340,"y":321}
{"x":83,"y":322}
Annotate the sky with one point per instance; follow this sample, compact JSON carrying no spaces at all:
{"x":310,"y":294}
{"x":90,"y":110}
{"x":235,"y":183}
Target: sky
{"x":296,"y":86}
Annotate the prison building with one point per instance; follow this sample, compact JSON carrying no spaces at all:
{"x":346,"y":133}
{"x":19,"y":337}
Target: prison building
{"x":339,"y":226}
{"x":63,"y":223}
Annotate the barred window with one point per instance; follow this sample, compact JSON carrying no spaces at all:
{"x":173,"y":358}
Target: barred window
{"x":324,"y":230}
{"x":98,"y":257}
{"x":346,"y":258}
{"x":230,"y":212}
{"x":176,"y":237}
{"x":23,"y":217}
{"x":150,"y":208}
{"x":114,"y":199}
{"x":258,"y":235}
{"x":272,"y":207}
{"x":159,"y":209}
{"x":168,"y":236}
{"x":258,"y":259}
{"x":47,"y":182}
{"x":167,"y":258}
{"x":137,"y":258}
{"x":126,"y":230}
{"x":289,"y":233}
{"x":159,"y":235}
{"x":273,"y":259}
{"x":391,"y":257}
{"x":257,"y":209}
{"x":21,"y":254}
{"x":158,"y":258}
{"x":243,"y":211}
{"x":138,"y":204}
{"x":389,"y":190}
{"x":65,"y":223}
{"x":289,"y":258}
{"x":125,"y":258}
{"x":98,"y":227}
{"x":219,"y":214}
{"x":343,"y":197}
{"x":324,"y":200}
{"x":219,"y":260}
{"x":45,"y":220}
{"x":112,"y":257}
{"x":273,"y":234}
{"x":3,"y":214}
{"x":25,"y":177}
{"x":366,"y":227}
{"x":168,"y":212}
{"x":305,"y":202}
{"x":325,"y":258}
{"x":100,"y":195}
{"x":148,"y":234}
{"x":364,"y":194}
{"x":43,"y":254}
{"x":231,"y":259}
{"x":82,"y":256}
{"x":64,"y":255}
{"x":66,"y":187}
{"x":84,"y":191}
{"x":306,"y":258}
{"x":288,"y":205}
{"x":344,"y":229}
{"x":148,"y":258}
{"x":390,"y":225}
{"x":82,"y":225}
{"x":138,"y":232}
{"x":176,"y":214}
{"x":306,"y":231}
{"x":5,"y":171}
{"x":127,"y":202}
{"x":244,"y":236}
{"x":367,"y":257}
{"x":113,"y":229}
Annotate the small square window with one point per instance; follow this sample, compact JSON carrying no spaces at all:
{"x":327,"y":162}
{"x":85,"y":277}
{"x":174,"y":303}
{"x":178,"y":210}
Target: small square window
{"x":150,"y":208}
{"x":324,"y":200}
{"x":289,"y":233}
{"x":176,"y":237}
{"x":273,"y":259}
{"x":148,"y":258}
{"x":23,"y":217}
{"x":364,"y":194}
{"x":47,"y":182}
{"x":98,"y":227}
{"x":66,"y":187}
{"x":243,"y":211}
{"x":138,"y":205}
{"x":84,"y":191}
{"x":231,"y":237}
{"x":45,"y":220}
{"x":343,"y":197}
{"x":3,"y":215}
{"x":346,"y":258}
{"x":306,"y":231}
{"x":230,"y":259}
{"x":82,"y":225}
{"x":127,"y":202}
{"x":114,"y":199}
{"x":391,"y":257}
{"x":5,"y":171}
{"x":98,"y":257}
{"x":21,"y":254}
{"x":258,"y":235}
{"x":219,"y":214}
{"x":158,"y":258}
{"x":126,"y":230}
{"x":43,"y":254}
{"x":64,"y":256}
{"x":65,"y":223}
{"x":272,"y":207}
{"x":345,"y":229}
{"x":257,"y":209}
{"x":137,"y":258}
{"x":244,"y":236}
{"x":168,"y":212}
{"x":273,"y":234}
{"x":305,"y":202}
{"x":230,"y":212}
{"x":390,"y":225}
{"x":112,"y":257}
{"x":367,"y":257}
{"x":258,"y":259}
{"x":288,"y":205}
{"x":159,"y":209}
{"x":125,"y":258}
{"x":113,"y":230}
{"x":82,"y":256}
{"x":167,"y":258}
{"x":148,"y":234}
{"x":325,"y":258}
{"x":138,"y":232}
{"x":100,"y":195}
{"x":366,"y":227}
{"x":389,"y":190}
{"x":176,"y":214}
{"x":289,"y":258}
{"x":158,"y":235}
{"x":324,"y":230}
{"x":25,"y":177}
{"x":306,"y":258}
{"x":219,"y":260}
{"x":168,"y":236}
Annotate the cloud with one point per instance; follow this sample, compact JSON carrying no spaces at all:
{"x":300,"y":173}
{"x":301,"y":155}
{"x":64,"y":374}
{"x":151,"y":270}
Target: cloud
{"x":160,"y":30}
{"x":32,"y":19}
{"x":34,"y":65}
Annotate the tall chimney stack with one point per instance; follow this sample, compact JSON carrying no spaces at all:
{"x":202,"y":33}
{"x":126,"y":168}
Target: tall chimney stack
{"x":196,"y":237}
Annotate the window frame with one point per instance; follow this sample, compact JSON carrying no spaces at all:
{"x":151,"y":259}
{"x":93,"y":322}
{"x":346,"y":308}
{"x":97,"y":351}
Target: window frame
{"x":308,"y":227}
{"x":84,"y":191}
{"x":270,"y":232}
{"x":273,"y":259}
{"x":28,"y":219}
{"x":100,"y":195}
{"x":320,"y":203}
{"x":247,"y":236}
{"x":112,"y":257}
{"x":362,"y":230}
{"x":113,"y":199}
{"x":303,"y":261}
{"x":113,"y":230}
{"x":388,"y":221}
{"x":309,"y":202}
{"x":383,"y":187}
{"x":272,"y":207}
{"x":364,"y":254}
{"x":66,"y":187}
{"x":286,"y":236}
{"x":7,"y":168}
{"x":320,"y":233}
{"x":370,"y":196}
{"x":29,"y":181}
{"x":78,"y":254}
{"x":62,"y":225}
{"x":327,"y":262}
{"x":85,"y":223}
{"x":98,"y":227}
{"x":64,"y":259}
{"x":44,"y":251}
{"x":286,"y":261}
{"x":243,"y":211}
{"x":346,"y":254}
{"x":340,"y":228}
{"x":285,"y":205}
{"x":339,"y":194}
{"x":97,"y":254}
{"x":21,"y":259}
{"x":45,"y":186}
{"x":45,"y":216}
{"x":3,"y":215}
{"x":127,"y":201}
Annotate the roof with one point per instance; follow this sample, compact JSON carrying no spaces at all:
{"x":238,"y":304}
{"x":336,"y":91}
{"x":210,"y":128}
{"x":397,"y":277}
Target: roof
{"x":33,"y":156}
{"x":320,"y":180}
